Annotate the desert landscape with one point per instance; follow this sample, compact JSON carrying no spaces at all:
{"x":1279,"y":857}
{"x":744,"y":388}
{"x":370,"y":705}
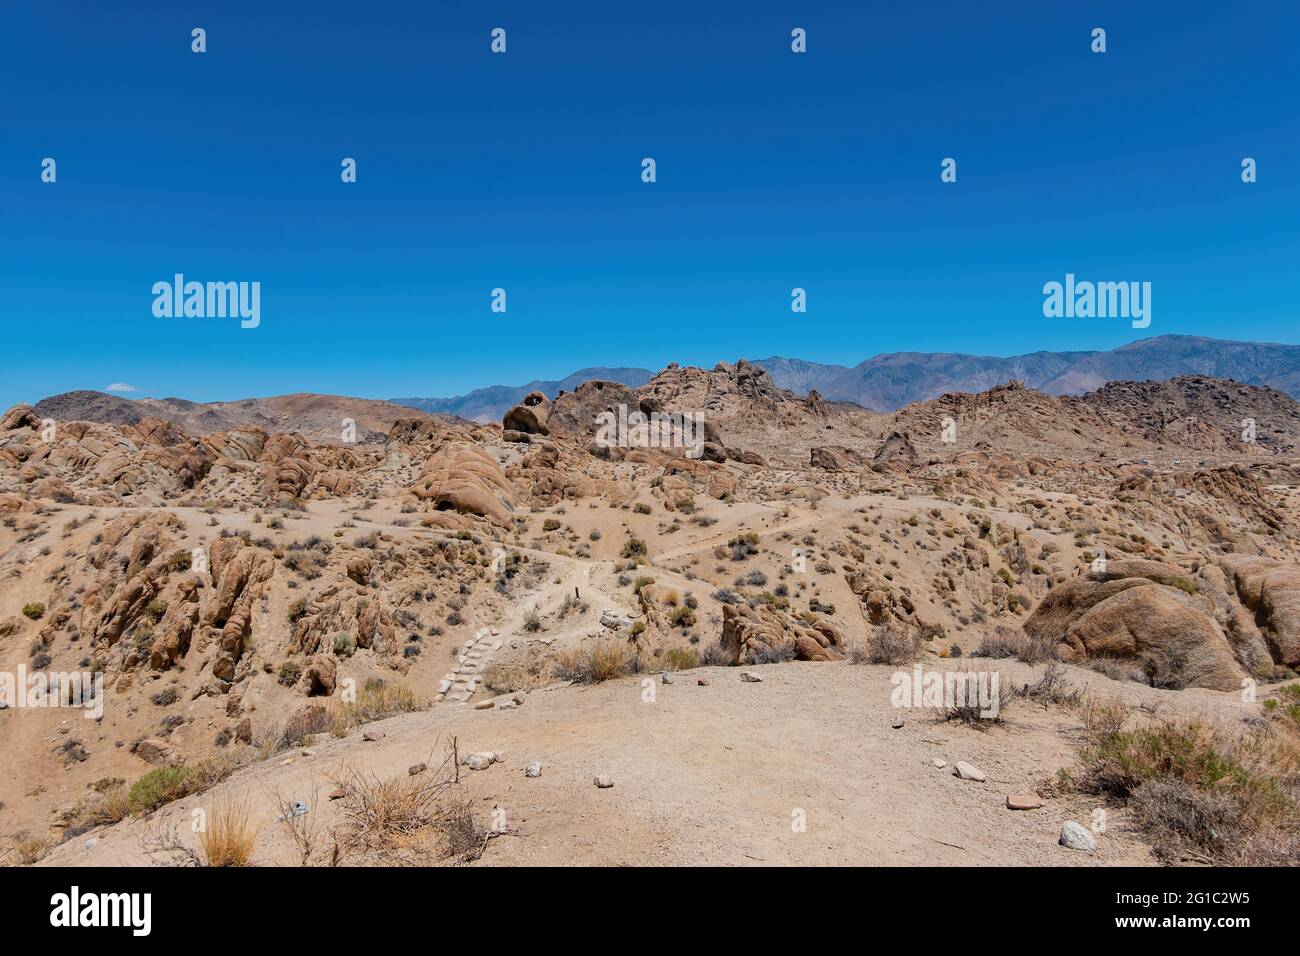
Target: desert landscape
{"x":338,"y":631}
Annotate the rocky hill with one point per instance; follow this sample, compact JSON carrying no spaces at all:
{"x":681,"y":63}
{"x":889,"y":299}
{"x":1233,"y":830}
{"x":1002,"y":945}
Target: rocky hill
{"x":266,"y":610}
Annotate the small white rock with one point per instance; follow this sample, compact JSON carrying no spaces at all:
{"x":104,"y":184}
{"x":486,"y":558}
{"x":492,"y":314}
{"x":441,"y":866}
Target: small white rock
{"x":750,"y":677}
{"x":969,"y":772}
{"x":534,"y":769}
{"x":1076,"y":836}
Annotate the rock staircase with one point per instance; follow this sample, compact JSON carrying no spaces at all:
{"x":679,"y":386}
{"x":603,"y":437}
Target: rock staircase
{"x":459,"y":685}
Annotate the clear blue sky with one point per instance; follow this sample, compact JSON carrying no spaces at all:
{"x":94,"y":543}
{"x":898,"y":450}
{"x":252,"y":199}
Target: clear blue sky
{"x":522,"y":170}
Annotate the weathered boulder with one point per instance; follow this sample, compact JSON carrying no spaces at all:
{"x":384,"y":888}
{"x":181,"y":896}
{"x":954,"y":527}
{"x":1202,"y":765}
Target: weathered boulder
{"x":530,"y":416}
{"x":896,"y":453}
{"x":1270,"y":590}
{"x":1140,"y":610}
{"x":749,"y":634}
{"x":464,"y":478}
{"x":836,"y":458}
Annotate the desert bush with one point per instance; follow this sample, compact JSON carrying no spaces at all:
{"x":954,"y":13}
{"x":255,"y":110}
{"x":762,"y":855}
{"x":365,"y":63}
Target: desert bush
{"x":532,"y":621}
{"x":345,"y":645}
{"x":1053,"y":687}
{"x":228,"y":838}
{"x":407,"y":816}
{"x":157,"y":787}
{"x":1004,"y":642}
{"x":680,"y":658}
{"x":771,"y":654}
{"x":34,"y":610}
{"x":682,"y":617}
{"x":600,"y":660}
{"x":550,"y":524}
{"x":290,"y":671}
{"x":376,"y":700}
{"x":33,"y":849}
{"x":306,"y":722}
{"x":886,"y":644}
{"x":1198,"y":792}
{"x":714,"y":656}
{"x":635,"y":548}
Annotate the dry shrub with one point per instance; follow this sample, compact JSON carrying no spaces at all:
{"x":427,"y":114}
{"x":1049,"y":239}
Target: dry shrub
{"x":1198,"y":792}
{"x":33,"y":849}
{"x":406,"y":818}
{"x":601,"y":660}
{"x":714,"y":655}
{"x":376,"y":700}
{"x":1053,"y":687}
{"x":228,"y":838}
{"x":1004,"y":642}
{"x":302,"y":828}
{"x":966,"y":707}
{"x":886,"y":644}
{"x":506,"y":678}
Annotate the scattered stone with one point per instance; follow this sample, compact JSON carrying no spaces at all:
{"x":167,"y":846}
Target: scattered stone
{"x":481,"y":760}
{"x":416,"y":768}
{"x":897,"y":723}
{"x":750,"y":677}
{"x":937,"y":762}
{"x":518,"y":699}
{"x":968,"y":772}
{"x":338,"y":793}
{"x":703,"y":682}
{"x":370,"y":736}
{"x":1076,"y":837}
{"x":613,"y":620}
{"x":534,"y":769}
{"x":604,"y":782}
{"x":506,"y":704}
{"x":1023,"y":801}
{"x":485,"y":705}
{"x":665,"y":678}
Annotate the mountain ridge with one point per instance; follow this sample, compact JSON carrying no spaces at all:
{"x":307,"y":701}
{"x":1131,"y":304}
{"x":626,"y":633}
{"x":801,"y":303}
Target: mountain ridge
{"x":892,"y":380}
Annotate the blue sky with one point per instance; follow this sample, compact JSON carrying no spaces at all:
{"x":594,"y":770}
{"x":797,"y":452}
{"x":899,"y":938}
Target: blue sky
{"x":522,"y":171}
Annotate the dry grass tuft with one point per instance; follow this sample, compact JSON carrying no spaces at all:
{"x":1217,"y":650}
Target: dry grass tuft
{"x":406,"y":819}
{"x":600,"y":660}
{"x":886,"y":644}
{"x":376,"y":700}
{"x":228,"y":838}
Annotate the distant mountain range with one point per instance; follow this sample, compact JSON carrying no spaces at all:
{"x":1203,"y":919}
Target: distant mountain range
{"x":489,"y":404}
{"x":888,"y":382}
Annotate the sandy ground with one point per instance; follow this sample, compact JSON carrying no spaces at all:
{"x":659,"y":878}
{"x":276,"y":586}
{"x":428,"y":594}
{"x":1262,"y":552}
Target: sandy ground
{"x":715,"y":775}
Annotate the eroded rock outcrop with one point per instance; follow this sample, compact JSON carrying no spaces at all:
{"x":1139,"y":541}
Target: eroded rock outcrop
{"x":752,"y":634}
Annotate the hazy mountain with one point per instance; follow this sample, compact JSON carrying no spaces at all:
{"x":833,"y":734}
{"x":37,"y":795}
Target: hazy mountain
{"x":491,"y":403}
{"x":890,"y":381}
